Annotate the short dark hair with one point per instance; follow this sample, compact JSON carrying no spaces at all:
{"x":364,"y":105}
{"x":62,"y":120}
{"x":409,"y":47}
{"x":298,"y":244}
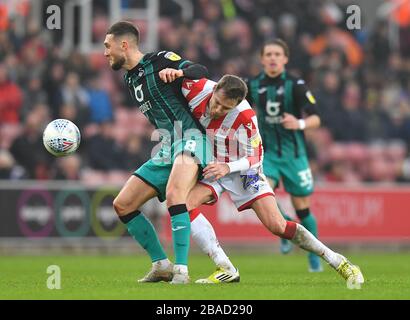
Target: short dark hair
{"x":277,"y":42}
{"x":233,"y":86}
{"x":124,"y":28}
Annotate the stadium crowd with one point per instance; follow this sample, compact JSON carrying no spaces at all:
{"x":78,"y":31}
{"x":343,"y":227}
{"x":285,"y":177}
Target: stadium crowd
{"x":359,"y":78}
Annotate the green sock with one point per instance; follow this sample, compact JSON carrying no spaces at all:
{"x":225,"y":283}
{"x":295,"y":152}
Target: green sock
{"x":142,"y":230}
{"x":308,"y":220}
{"x":284,"y":214}
{"x":310,"y":224}
{"x":181,"y":231}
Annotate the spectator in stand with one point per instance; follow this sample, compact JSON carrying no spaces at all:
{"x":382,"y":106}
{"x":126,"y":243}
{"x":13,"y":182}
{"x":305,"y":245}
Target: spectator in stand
{"x":137,"y":151}
{"x":328,"y":97}
{"x":379,"y":45}
{"x":53,"y":79}
{"x":32,"y":55}
{"x":76,"y":96}
{"x":99,"y":102}
{"x":8,"y":168}
{"x":34,"y":94}
{"x":377,"y":124}
{"x":400,"y":128}
{"x":68,"y":168}
{"x":78,"y":64}
{"x":11,"y":99}
{"x":351,"y":119}
{"x":103,"y":151}
{"x":401,"y":15}
{"x":335,"y":38}
{"x":28,"y":149}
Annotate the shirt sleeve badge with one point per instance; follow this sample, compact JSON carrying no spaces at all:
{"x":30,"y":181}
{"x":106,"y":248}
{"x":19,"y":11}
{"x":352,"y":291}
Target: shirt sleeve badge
{"x":172,"y":56}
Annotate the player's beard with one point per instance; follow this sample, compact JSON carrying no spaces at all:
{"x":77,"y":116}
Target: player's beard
{"x":117,"y":65}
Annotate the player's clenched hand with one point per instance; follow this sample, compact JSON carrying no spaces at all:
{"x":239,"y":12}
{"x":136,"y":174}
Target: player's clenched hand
{"x":169,"y":74}
{"x":289,"y":122}
{"x":216,"y":171}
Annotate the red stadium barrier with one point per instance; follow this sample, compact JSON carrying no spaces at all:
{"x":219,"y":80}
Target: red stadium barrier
{"x":364,"y":214}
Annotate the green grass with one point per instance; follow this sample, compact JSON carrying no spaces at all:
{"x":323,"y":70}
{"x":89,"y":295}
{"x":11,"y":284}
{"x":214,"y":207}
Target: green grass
{"x":262,"y":277}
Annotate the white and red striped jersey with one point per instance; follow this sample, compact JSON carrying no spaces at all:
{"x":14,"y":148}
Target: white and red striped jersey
{"x":235,"y":136}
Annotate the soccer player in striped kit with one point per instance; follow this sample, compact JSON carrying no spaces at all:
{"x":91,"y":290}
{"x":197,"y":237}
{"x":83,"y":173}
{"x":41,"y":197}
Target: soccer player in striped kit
{"x":232,"y":125}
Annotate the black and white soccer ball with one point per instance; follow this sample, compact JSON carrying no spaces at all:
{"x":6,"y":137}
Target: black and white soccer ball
{"x":61,"y":137}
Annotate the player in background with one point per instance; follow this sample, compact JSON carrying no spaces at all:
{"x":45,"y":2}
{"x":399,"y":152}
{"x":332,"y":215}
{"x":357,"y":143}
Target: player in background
{"x":282,"y":101}
{"x":232,"y":125}
{"x":174,"y":170}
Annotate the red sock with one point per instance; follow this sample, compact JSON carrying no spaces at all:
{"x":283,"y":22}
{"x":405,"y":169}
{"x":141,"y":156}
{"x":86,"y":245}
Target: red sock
{"x":194,"y":213}
{"x":290,"y":230}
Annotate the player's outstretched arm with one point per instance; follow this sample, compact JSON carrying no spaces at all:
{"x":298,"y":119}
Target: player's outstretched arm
{"x":169,"y":74}
{"x":193,"y":72}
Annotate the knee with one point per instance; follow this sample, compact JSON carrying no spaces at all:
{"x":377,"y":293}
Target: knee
{"x":277,"y":226}
{"x":303,"y":213}
{"x":174,"y":196}
{"x":278,"y":229}
{"x":120,"y":207}
{"x":300,"y":203}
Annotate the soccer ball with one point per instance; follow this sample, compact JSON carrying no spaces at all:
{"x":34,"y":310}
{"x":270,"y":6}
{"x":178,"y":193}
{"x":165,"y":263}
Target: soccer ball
{"x":61,"y":137}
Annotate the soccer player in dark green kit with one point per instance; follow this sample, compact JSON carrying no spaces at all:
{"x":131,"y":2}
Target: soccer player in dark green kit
{"x":174,"y":169}
{"x":281,"y":101}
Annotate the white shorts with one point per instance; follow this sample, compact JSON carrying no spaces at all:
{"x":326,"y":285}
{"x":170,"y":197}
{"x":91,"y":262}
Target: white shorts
{"x":243,"y":189}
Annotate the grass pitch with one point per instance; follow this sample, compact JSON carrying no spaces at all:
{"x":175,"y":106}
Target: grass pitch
{"x":263,"y":277}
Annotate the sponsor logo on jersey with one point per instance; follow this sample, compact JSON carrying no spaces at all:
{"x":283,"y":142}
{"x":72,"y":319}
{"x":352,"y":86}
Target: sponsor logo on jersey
{"x":172,"y":56}
{"x":262,"y":90}
{"x":273,"y":120}
{"x":310,"y":97}
{"x":255,"y":141}
{"x":145,"y":106}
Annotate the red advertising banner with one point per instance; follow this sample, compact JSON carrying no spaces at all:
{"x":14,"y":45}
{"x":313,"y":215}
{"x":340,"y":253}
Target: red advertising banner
{"x":365,"y":214}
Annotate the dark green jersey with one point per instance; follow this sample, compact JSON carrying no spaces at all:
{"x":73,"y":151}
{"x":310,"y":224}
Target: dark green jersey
{"x":162,"y":103}
{"x":272,"y":97}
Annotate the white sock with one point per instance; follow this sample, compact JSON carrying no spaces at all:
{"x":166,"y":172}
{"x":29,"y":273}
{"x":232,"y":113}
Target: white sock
{"x":180,"y":268}
{"x":204,"y":236}
{"x":161,"y":264}
{"x":307,"y":241}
